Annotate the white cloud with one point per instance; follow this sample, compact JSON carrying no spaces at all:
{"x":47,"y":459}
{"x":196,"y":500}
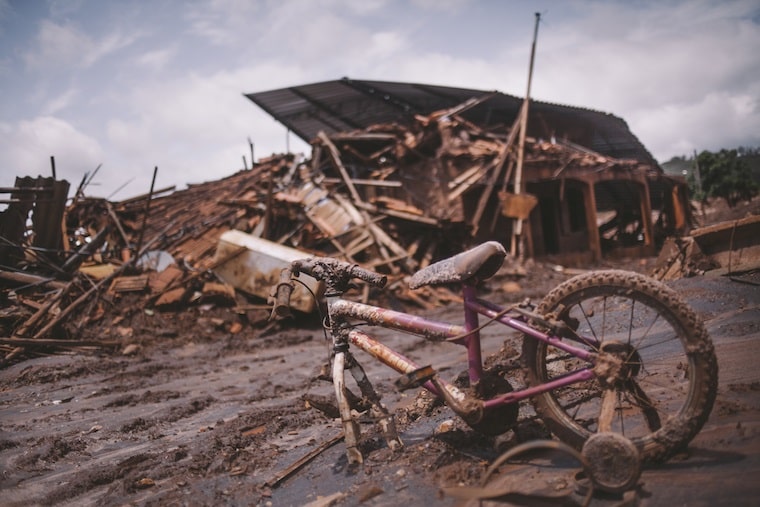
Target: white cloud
{"x":64,"y":8}
{"x":156,"y":59}
{"x":56,"y":46}
{"x":385,"y":45}
{"x":26,"y":148}
{"x":692,"y":126}
{"x":196,"y":128}
{"x":59,"y":102}
{"x":61,"y":46}
{"x":224,"y":22}
{"x":109,"y":44}
{"x":448,"y":5}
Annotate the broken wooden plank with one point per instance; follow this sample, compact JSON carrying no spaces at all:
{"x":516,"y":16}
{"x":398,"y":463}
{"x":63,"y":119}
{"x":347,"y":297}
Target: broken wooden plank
{"x":495,"y":174}
{"x":44,"y":311}
{"x":134,"y":283}
{"x":117,"y":222}
{"x":399,"y":214}
{"x":335,"y":156}
{"x":299,"y":463}
{"x":369,"y":183}
{"x":28,"y":279}
{"x":48,"y":342}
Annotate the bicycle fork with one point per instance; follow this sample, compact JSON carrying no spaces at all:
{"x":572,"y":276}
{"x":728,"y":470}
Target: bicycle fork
{"x":343,"y":360}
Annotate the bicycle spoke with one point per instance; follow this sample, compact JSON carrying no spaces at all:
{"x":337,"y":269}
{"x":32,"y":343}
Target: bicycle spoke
{"x":655,"y":344}
{"x":630,"y":323}
{"x":666,"y":386}
{"x":645,"y":404}
{"x":588,"y":321}
{"x":656,"y":318}
{"x":618,"y":397}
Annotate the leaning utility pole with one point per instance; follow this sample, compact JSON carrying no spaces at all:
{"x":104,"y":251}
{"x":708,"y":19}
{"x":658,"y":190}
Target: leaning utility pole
{"x":518,"y":222}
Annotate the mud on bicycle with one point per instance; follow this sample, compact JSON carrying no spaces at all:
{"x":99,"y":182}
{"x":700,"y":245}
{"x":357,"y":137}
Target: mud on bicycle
{"x":605,"y":351}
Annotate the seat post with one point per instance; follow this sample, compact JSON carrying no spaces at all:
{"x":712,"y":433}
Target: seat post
{"x":472,"y":342}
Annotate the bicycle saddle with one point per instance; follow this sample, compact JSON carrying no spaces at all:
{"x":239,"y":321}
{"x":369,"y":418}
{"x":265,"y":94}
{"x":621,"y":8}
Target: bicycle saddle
{"x":470,"y":266}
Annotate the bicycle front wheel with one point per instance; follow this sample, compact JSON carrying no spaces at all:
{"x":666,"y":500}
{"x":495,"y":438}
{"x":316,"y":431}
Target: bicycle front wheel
{"x":652,"y":352}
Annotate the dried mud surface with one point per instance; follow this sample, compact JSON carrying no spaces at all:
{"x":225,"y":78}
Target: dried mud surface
{"x":196,"y":414}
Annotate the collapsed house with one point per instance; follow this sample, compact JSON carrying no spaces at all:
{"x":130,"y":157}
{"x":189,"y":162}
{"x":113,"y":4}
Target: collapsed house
{"x":451,"y":155}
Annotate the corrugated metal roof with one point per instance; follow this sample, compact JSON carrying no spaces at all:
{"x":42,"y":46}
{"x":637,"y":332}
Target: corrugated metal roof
{"x":350,"y":104}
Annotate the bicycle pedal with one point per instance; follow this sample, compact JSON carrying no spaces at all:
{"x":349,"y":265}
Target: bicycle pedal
{"x":415,"y":378}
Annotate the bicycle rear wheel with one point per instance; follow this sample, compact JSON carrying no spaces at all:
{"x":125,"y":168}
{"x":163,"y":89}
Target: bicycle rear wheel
{"x":653,"y":352}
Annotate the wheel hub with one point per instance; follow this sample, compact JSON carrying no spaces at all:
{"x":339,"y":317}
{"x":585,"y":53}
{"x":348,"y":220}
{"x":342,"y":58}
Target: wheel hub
{"x":616,"y":364}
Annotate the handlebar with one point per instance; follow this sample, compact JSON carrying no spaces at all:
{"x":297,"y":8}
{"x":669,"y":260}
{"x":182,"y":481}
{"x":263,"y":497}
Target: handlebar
{"x":281,"y":294}
{"x":336,"y":274}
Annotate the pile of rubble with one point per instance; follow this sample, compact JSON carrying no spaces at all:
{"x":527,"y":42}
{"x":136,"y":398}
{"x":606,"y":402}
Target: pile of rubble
{"x":392,"y":198}
{"x":730,"y":248}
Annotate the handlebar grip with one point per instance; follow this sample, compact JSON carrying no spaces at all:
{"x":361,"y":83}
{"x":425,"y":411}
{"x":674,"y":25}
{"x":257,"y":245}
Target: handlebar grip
{"x":368,"y":276}
{"x":330,"y":269}
{"x":282,"y":292}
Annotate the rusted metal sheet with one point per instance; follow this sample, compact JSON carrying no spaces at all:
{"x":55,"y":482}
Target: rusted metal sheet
{"x":257,"y":270}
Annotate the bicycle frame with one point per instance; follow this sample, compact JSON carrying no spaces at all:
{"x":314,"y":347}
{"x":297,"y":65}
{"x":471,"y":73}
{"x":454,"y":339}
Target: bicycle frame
{"x":342,"y":311}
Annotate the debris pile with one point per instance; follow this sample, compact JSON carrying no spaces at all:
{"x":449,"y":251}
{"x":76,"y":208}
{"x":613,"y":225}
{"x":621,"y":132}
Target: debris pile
{"x":730,"y":248}
{"x":393,"y":198}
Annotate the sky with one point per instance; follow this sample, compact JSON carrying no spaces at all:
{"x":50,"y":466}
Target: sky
{"x":127,"y":86}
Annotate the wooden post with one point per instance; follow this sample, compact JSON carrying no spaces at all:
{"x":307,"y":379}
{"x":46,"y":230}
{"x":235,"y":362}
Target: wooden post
{"x":589,"y":201}
{"x":147,"y":210}
{"x":517,"y":229}
{"x":268,"y":212}
{"x":645,"y":206}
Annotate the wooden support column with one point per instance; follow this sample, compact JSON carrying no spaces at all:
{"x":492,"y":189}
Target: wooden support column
{"x":589,"y":202}
{"x":646,"y":214}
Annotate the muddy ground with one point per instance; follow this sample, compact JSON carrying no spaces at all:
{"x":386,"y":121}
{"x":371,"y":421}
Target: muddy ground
{"x":199,"y":413}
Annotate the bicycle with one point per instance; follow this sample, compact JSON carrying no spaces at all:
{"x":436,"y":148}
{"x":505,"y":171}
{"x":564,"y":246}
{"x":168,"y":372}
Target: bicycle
{"x":605,"y":351}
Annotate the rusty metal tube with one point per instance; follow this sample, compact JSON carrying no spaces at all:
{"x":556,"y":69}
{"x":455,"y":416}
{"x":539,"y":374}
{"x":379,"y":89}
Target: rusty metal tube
{"x":376,"y":316}
{"x":398,"y":362}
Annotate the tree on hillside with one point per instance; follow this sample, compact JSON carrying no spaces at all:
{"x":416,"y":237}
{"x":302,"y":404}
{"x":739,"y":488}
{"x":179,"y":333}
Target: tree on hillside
{"x":724,"y":174}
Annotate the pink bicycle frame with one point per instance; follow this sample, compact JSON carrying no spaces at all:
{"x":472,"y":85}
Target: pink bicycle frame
{"x":467,"y":336}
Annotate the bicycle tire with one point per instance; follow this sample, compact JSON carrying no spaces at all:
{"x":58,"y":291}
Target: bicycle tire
{"x":667,"y":353}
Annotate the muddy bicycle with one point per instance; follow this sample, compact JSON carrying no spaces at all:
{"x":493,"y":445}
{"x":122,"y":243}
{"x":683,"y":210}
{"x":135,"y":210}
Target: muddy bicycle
{"x":604,"y":352}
